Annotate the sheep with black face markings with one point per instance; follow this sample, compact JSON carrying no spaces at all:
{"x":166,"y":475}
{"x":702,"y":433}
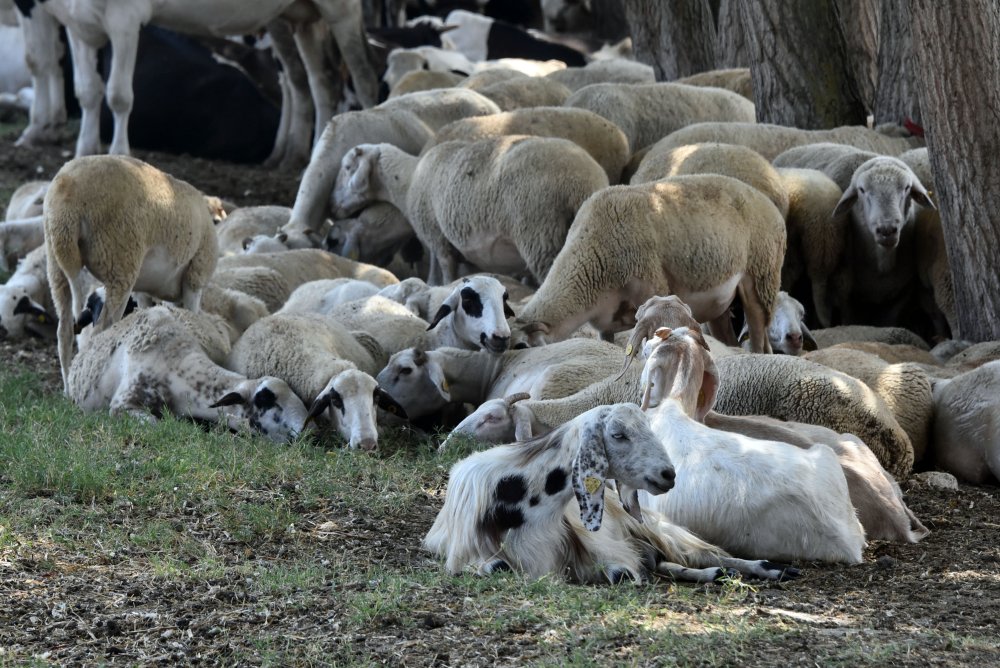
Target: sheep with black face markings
{"x":152,"y":361}
{"x":512,"y":507}
{"x":26,"y":307}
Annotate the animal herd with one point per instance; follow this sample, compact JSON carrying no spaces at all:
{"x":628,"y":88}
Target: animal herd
{"x":554,"y":259}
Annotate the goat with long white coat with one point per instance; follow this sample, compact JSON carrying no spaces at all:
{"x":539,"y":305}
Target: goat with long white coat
{"x":511,"y":507}
{"x":779,"y":501}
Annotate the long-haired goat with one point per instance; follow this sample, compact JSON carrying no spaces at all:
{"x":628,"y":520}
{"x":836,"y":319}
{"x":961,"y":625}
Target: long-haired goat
{"x":511,"y":507}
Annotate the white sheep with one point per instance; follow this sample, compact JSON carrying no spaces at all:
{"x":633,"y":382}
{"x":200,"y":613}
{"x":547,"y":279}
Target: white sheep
{"x":18,"y":238}
{"x":838,"y":161}
{"x":770,"y":140}
{"x":153,"y":361}
{"x":327,"y":366}
{"x":736,"y":79}
{"x":511,"y":89}
{"x":830,"y":336}
{"x":437,"y":108}
{"x":425,"y":300}
{"x":792,"y":388}
{"x":647,"y":113}
{"x":26,"y":307}
{"x":512,"y":507}
{"x":133,"y":227}
{"x":601,"y":138}
{"x":26,"y":200}
{"x":401,"y":61}
{"x":247,"y":222}
{"x":323,"y":295}
{"x":965,"y":439}
{"x":421,"y":80}
{"x":493,"y":201}
{"x":704,"y":238}
{"x":752,"y":497}
{"x":787,"y":330}
{"x":612,"y":70}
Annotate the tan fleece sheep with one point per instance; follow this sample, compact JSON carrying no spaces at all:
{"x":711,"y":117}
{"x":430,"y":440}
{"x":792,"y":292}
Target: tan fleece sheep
{"x":704,"y":238}
{"x":511,"y":90}
{"x":611,"y":70}
{"x":965,"y":440}
{"x":133,"y":227}
{"x":249,"y":221}
{"x":26,"y":201}
{"x":648,"y":113}
{"x":421,"y":80}
{"x":736,"y":79}
{"x":830,"y":336}
{"x":602,"y":139}
{"x":905,"y":388}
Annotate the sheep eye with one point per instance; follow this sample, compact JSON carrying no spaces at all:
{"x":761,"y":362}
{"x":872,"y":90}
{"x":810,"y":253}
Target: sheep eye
{"x":406,"y":371}
{"x":861,"y":190}
{"x":618,"y":436}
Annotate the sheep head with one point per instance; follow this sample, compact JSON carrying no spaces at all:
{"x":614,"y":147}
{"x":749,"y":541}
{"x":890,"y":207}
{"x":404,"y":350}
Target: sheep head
{"x":416,"y":381}
{"x":787,"y":331}
{"x":268,"y":405}
{"x":355,"y":185}
{"x":479,"y":310}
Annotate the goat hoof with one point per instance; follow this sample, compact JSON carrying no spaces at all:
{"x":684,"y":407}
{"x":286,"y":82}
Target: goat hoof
{"x":498,"y":566}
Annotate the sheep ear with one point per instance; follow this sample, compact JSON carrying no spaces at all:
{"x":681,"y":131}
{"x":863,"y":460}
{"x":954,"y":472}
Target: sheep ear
{"x":33,"y":310}
{"x":744,"y":334}
{"x":441,"y":314}
{"x":282,"y":237}
{"x":447,"y":306}
{"x":322,"y":402}
{"x":590,"y":469}
{"x":846,"y":200}
{"x":359,"y":181}
{"x":808,"y":342}
{"x":522,"y":422}
{"x":630,"y":501}
{"x":709,"y":387}
{"x":246,"y":242}
{"x":508,"y":312}
{"x":921,"y":196}
{"x":436,"y":374}
{"x":234,"y":398}
{"x":385,"y":401}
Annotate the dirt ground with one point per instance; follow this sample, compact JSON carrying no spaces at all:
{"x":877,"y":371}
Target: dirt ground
{"x":939,"y":599}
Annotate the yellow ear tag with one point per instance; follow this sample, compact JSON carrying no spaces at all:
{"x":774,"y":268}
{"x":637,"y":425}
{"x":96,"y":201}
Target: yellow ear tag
{"x":592,"y":484}
{"x":41,"y":319}
{"x":701,"y":397}
{"x":444,"y":385}
{"x":628,"y":349}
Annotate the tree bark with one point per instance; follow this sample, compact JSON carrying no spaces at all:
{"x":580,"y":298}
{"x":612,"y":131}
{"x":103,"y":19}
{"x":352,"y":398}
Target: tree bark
{"x":896,"y":96}
{"x":956,"y":48}
{"x":677,"y":38}
{"x":859,"y":22}
{"x":798,"y":62}
{"x":609,"y":20}
{"x":731,"y":43}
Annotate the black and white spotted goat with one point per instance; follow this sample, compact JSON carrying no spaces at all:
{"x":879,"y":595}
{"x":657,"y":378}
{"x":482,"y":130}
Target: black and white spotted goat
{"x":511,"y":508}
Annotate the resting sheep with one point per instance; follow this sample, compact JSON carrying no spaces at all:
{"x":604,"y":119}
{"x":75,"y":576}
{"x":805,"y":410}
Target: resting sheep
{"x":514,"y":90}
{"x":496,"y":202}
{"x":752,"y":497}
{"x":831,"y":336}
{"x":249,"y":221}
{"x":26,"y":201}
{"x":512,"y":507}
{"x":736,"y":79}
{"x":18,"y":238}
{"x":965,"y":438}
{"x":704,"y":238}
{"x":612,"y":70}
{"x":787,"y":330}
{"x":327,"y":366}
{"x":647,"y":113}
{"x":134,"y":228}
{"x":152,"y":361}
{"x":26,"y":307}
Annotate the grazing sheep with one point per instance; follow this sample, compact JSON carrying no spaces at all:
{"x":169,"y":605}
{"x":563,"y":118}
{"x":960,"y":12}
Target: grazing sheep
{"x":874,"y":493}
{"x":25,"y":300}
{"x":511,"y":507}
{"x":752,"y":497}
{"x":18,"y":238}
{"x":426,"y":381}
{"x":612,"y":70}
{"x":494,"y":201}
{"x":247,"y":222}
{"x":770,"y":140}
{"x":134,"y":228}
{"x":905,"y":388}
{"x":831,"y":336}
{"x":739,"y":162}
{"x":704,"y":238}
{"x":647,"y":113}
{"x":324,"y":295}
{"x":26,"y":201}
{"x":792,"y":388}
{"x":327,"y":366}
{"x":153,"y":361}
{"x":965,"y":436}
{"x":599,"y":137}
{"x":736,"y":79}
{"x":787,"y":330}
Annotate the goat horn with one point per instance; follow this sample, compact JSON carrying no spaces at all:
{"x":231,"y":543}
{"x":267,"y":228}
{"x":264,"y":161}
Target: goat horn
{"x":514,"y":398}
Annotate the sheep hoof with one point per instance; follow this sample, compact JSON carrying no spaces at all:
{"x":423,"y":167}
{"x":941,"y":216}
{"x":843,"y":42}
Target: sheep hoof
{"x":780,"y":572}
{"x":620,"y":575}
{"x":725,"y":574}
{"x":498,"y":566}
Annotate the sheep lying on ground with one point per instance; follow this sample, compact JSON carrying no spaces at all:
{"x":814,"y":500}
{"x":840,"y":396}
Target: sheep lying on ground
{"x":26,"y":307}
{"x":511,"y":90}
{"x":770,"y":140}
{"x":327,"y":366}
{"x":18,"y":238}
{"x":752,"y":497}
{"x":791,"y":388}
{"x":704,"y":238}
{"x":601,"y":138}
{"x":787,"y":331}
{"x":247,"y":222}
{"x":26,"y":201}
{"x":425,"y":300}
{"x":134,"y":228}
{"x":965,"y":439}
{"x":830,"y":336}
{"x":421,"y":80}
{"x":493,"y":201}
{"x":647,"y":113}
{"x":511,"y":507}
{"x":153,"y":361}
{"x":374,"y":235}
{"x":324,"y":295}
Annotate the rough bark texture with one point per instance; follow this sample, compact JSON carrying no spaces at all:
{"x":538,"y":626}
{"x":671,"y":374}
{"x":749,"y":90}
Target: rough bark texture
{"x":731,"y":43}
{"x":859,"y":21}
{"x":676,"y":38}
{"x":956,"y":49}
{"x":609,"y":20}
{"x":798,"y":62}
{"x":896,"y":96}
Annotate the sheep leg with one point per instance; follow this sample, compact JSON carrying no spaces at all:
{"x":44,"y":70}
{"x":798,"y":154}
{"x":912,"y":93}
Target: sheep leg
{"x":685,"y":574}
{"x":757,"y":314}
{"x":62,"y":298}
{"x":89,"y":90}
{"x":347,"y":24}
{"x":309,"y":39}
{"x":721,"y":327}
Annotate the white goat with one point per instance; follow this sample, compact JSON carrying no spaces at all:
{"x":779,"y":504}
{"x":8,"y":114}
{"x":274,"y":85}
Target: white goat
{"x":511,"y":507}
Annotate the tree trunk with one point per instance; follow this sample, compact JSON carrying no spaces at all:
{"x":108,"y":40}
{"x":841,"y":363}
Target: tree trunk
{"x":677,"y":38}
{"x":896,"y":96}
{"x":609,"y":20}
{"x":798,"y":62}
{"x":731,"y":44}
{"x":859,"y":22}
{"x":956,"y":48}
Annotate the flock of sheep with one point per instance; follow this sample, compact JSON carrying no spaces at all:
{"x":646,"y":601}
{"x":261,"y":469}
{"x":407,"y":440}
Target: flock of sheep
{"x":583,"y":235}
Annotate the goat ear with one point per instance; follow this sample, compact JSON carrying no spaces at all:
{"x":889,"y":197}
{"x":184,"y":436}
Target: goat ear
{"x":663,"y":333}
{"x":709,"y":388}
{"x":385,"y":401}
{"x":846,"y":200}
{"x":590,"y":469}
{"x":808,"y":342}
{"x":921,"y":196}
{"x":630,"y":501}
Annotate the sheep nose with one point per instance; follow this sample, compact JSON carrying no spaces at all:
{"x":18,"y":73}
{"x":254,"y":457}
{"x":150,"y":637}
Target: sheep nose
{"x":795,"y":340}
{"x":495,"y":344}
{"x":669,"y":475}
{"x":368,"y":444}
{"x":886,"y":235}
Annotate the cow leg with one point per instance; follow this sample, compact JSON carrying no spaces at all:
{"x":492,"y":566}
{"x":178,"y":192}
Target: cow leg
{"x":89,"y":90}
{"x":125,"y":45}
{"x":43,"y":50}
{"x":309,"y":39}
{"x":347,"y":24}
{"x":292,"y":145}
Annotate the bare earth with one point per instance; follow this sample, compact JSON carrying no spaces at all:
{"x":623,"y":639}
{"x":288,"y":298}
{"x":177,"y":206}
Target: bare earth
{"x":938,"y":601}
